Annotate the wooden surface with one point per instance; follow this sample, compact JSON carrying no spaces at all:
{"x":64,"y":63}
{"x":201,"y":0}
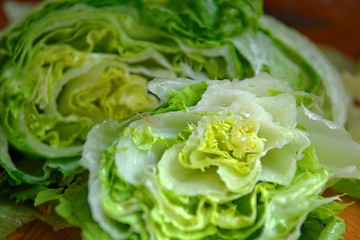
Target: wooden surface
{"x":37,"y":230}
{"x":352,"y":219}
{"x":351,"y":215}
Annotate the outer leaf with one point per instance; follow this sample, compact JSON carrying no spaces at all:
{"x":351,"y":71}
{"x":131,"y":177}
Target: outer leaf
{"x":319,"y":70}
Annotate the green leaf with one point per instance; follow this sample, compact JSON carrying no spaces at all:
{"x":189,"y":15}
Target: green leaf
{"x":48,"y":195}
{"x":181,"y":100}
{"x":349,"y":186}
{"x":322,"y":223}
{"x":317,"y":73}
{"x":74,"y":208}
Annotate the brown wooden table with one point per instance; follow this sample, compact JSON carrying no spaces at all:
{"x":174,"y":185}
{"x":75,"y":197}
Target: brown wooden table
{"x":351,"y":215}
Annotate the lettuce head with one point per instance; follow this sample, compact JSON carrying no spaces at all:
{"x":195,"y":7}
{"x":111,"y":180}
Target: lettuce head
{"x":216,"y":160}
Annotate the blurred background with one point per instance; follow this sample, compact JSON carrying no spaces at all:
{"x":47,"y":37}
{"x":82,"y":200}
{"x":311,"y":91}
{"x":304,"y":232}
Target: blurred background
{"x":333,"y":23}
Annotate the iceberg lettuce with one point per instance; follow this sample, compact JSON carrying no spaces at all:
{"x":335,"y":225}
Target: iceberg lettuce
{"x":243,"y":161}
{"x":69,"y":65}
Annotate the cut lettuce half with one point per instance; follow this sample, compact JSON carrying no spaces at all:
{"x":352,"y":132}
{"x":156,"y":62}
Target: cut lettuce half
{"x":236,"y":163}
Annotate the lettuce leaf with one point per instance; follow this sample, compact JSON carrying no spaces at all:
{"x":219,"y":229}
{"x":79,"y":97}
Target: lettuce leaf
{"x":71,"y":204}
{"x":322,"y":223}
